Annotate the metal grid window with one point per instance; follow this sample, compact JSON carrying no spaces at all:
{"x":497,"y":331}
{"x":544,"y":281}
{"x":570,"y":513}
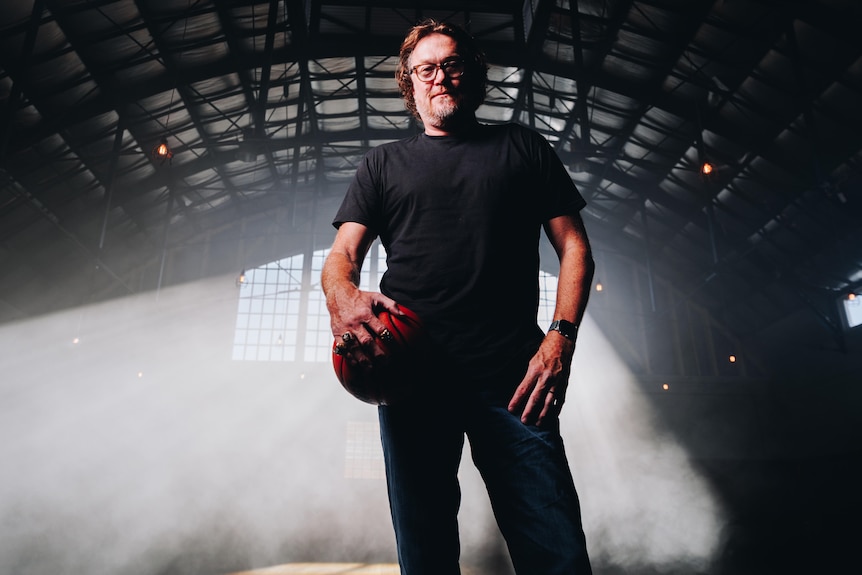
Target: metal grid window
{"x":318,"y":338}
{"x":267,"y":322}
{"x":547,"y":299}
{"x":270,"y":327}
{"x":318,"y":335}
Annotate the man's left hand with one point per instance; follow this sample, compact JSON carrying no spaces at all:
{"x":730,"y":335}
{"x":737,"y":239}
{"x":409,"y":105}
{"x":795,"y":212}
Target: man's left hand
{"x":541,"y":394}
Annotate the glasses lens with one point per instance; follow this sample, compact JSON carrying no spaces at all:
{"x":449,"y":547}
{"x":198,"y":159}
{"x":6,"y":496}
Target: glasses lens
{"x":426,"y":71}
{"x":453,"y":68}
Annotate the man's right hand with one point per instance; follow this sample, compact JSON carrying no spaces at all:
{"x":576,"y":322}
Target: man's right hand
{"x":355,"y":326}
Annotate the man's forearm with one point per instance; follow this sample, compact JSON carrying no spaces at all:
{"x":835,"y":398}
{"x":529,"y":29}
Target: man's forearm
{"x":338,"y":270}
{"x":344,"y":262}
{"x":576,"y":280}
{"x":573,"y":288}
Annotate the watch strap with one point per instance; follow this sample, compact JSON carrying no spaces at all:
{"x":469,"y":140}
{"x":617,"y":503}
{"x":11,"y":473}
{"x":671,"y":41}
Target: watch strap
{"x":566,"y":328}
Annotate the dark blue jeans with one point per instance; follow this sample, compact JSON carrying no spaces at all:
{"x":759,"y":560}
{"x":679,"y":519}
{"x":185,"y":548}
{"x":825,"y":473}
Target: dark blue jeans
{"x":524,"y":468}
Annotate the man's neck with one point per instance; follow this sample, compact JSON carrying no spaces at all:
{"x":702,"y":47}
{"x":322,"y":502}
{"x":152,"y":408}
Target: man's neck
{"x":455,"y":127}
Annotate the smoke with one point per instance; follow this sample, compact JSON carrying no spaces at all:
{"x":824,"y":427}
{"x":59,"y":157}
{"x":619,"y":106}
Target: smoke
{"x":142,"y":449}
{"x":643,"y":502}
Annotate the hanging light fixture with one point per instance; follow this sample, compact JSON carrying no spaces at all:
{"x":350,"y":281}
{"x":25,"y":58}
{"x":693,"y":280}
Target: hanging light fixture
{"x":162,"y":151}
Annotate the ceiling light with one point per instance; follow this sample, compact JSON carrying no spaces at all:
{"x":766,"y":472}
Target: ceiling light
{"x":707,"y":168}
{"x":162,"y":151}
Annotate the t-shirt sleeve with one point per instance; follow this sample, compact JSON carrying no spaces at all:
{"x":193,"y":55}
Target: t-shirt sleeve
{"x":361,"y":203}
{"x":563,"y":196}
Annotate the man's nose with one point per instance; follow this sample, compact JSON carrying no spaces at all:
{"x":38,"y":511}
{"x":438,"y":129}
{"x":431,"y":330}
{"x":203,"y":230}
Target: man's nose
{"x":439,"y":76}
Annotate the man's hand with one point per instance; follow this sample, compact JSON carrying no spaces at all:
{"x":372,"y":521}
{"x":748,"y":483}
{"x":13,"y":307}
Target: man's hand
{"x":354,"y":322}
{"x":353,"y":312}
{"x":541,"y":394}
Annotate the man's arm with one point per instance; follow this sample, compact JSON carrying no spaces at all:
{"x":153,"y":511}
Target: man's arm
{"x":351,"y":310}
{"x":543,"y":390}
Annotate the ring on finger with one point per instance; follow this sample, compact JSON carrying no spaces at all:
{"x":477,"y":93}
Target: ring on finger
{"x":347,"y":337}
{"x":339,"y":349}
{"x":385,"y":334}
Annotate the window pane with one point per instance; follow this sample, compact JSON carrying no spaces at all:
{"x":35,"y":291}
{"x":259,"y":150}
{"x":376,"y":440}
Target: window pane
{"x":280,"y":317}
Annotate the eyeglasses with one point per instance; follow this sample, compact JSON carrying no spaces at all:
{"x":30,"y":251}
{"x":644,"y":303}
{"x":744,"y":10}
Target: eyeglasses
{"x":451,"y":68}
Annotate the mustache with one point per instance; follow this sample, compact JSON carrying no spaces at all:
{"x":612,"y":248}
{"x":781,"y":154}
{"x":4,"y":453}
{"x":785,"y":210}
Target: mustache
{"x":452,"y":93}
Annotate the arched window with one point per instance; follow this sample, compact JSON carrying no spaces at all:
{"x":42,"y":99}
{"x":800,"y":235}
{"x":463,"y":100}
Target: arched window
{"x":282,"y":316}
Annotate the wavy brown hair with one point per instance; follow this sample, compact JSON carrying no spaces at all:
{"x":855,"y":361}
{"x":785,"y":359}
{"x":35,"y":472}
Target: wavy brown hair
{"x":476,"y":71}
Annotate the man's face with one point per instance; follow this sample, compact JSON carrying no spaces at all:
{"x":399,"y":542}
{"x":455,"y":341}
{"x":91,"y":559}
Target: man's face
{"x":439,"y":100}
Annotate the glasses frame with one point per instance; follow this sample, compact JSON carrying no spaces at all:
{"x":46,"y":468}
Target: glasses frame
{"x":441,"y":66}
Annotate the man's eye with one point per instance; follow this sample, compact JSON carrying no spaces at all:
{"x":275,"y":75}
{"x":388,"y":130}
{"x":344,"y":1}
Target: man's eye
{"x":427,"y":69}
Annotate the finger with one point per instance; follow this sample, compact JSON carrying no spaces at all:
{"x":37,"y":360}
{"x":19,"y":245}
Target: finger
{"x":557,"y":395}
{"x":383,"y":302}
{"x":360,"y":357}
{"x":519,"y":398}
{"x":534,"y":408}
{"x":364,"y":338}
{"x":374,"y":336}
{"x":551,"y":408}
{"x":359,"y":346}
{"x":372,"y":340}
{"x":542,"y":395}
{"x":385,"y":335}
{"x":348,"y":339}
{"x":376,"y":330}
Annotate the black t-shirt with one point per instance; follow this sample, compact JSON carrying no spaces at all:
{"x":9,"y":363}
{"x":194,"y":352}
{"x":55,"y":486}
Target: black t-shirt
{"x":460,"y":218}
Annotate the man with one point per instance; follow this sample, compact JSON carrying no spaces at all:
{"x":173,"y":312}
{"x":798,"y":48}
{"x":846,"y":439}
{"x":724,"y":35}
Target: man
{"x":459,"y":209}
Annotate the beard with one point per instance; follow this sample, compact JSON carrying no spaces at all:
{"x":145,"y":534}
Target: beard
{"x":441,"y":111}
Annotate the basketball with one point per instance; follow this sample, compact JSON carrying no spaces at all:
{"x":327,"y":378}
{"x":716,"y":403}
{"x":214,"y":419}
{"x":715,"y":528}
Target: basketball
{"x":387,"y":381}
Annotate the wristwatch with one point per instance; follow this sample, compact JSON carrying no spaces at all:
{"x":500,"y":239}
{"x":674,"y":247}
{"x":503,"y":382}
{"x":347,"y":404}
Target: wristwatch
{"x":566,"y":328}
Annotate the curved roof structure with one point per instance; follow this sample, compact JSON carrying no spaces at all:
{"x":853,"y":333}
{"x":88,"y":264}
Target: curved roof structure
{"x":268,"y":106}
